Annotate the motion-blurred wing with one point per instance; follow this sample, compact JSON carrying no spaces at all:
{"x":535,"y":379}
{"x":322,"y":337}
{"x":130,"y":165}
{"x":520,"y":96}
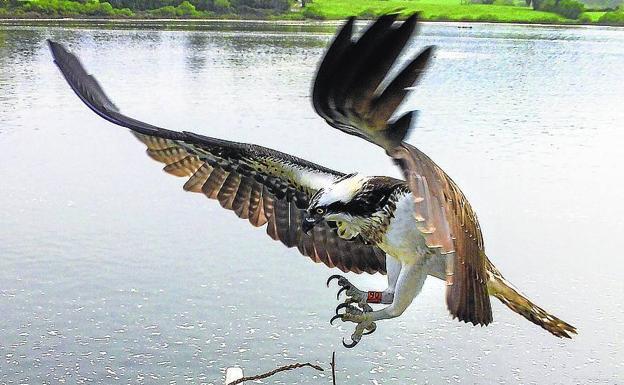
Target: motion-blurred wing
{"x":259,"y":184}
{"x":354,"y":93}
{"x":349,"y":90}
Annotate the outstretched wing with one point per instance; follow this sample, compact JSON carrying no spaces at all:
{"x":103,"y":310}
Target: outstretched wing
{"x":259,"y":184}
{"x":354,"y":93}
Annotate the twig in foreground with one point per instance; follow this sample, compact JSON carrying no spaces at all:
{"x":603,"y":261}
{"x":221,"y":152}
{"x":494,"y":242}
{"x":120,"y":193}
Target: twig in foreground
{"x":274,"y":371}
{"x":333,"y":366}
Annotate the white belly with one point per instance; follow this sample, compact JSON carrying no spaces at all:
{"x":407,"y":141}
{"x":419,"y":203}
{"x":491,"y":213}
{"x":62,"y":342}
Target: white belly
{"x":404,"y":241}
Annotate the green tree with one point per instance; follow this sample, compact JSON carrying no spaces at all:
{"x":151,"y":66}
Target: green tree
{"x":570,"y":9}
{"x":222,"y":6}
{"x":186,"y":9}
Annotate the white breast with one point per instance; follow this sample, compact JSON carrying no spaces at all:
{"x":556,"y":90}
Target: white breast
{"x":402,"y":240}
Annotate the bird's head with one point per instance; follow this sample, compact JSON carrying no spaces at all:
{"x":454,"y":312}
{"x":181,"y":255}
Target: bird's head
{"x":338,"y":202}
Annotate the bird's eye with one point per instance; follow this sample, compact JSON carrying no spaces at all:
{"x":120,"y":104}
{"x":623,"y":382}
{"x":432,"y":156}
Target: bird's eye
{"x":320,"y":211}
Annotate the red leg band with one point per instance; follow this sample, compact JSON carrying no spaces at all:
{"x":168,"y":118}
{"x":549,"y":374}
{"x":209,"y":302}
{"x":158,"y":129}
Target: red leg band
{"x":374,"y":297}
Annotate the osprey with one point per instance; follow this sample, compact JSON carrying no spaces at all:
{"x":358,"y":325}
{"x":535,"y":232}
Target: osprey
{"x":408,"y":229}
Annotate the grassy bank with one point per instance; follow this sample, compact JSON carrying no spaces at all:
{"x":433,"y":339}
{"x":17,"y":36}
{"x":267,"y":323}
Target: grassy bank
{"x":503,"y":11}
{"x":450,"y":10}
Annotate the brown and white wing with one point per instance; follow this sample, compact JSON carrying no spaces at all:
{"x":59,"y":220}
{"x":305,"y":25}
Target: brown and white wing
{"x":354,"y":93}
{"x":449,"y":224}
{"x":264,"y":186}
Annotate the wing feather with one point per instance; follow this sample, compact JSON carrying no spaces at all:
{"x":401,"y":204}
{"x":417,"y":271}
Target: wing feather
{"x":168,"y":155}
{"x":198,"y":179}
{"x":243,"y":197}
{"x":228,"y":190}
{"x":186,"y":166}
{"x":213,"y":185}
{"x":281,"y":213}
{"x":257,"y":215}
{"x":261,"y":185}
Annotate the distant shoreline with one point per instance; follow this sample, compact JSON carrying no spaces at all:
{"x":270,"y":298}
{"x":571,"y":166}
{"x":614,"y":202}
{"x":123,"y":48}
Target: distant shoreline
{"x":284,"y":21}
{"x":521,"y":12}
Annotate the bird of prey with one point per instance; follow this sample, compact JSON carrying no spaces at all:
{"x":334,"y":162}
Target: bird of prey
{"x":408,"y":229}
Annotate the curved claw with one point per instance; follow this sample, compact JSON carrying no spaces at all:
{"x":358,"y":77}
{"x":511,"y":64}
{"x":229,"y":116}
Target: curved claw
{"x":349,"y":346}
{"x":342,"y":306}
{"x":344,"y":288}
{"x":335,"y":276}
{"x":337,"y":316}
{"x":371,"y":331}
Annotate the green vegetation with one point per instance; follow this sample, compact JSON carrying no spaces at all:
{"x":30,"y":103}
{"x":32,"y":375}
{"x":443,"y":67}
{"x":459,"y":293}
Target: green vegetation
{"x":514,"y":11}
{"x":193,"y":9}
{"x":613,"y":18}
{"x":68,"y":8}
{"x":591,"y":16}
{"x":183,"y":10}
{"x":506,"y":11}
{"x":570,"y":9}
{"x":438,"y":10}
{"x":602,"y":5}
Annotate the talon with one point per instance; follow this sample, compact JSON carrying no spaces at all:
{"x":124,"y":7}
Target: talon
{"x":335,"y":276}
{"x":341,"y":306}
{"x":331,"y":321}
{"x":349,"y":346}
{"x":344,"y":288}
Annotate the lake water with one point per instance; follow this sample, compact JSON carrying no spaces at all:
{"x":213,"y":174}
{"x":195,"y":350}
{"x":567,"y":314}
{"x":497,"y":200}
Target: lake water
{"x":110,"y":273}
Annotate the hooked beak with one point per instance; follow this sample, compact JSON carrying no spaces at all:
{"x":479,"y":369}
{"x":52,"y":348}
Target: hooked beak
{"x":308,"y":223}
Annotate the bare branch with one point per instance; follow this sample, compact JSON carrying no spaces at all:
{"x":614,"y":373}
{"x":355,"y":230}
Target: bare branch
{"x":274,"y":371}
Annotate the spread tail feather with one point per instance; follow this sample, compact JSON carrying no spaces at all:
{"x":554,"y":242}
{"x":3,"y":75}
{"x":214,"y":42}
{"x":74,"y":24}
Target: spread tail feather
{"x":500,"y":288}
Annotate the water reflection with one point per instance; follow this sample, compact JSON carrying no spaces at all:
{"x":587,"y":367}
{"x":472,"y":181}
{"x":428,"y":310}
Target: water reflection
{"x":196,"y":46}
{"x":110,"y":273}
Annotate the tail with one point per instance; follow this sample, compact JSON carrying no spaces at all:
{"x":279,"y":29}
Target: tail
{"x":516,"y":301}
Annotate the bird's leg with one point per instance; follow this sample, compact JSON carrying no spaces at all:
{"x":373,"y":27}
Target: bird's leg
{"x":362,"y":298}
{"x":393,"y":268}
{"x":409,"y":283}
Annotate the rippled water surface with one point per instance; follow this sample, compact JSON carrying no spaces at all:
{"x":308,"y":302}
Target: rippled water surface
{"x":110,"y":273}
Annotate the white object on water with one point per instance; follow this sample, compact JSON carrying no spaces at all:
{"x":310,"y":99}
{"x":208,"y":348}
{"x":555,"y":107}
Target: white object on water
{"x":233,"y":374}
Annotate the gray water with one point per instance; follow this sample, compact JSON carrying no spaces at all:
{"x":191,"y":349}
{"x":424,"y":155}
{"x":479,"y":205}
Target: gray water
{"x":110,"y":273}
